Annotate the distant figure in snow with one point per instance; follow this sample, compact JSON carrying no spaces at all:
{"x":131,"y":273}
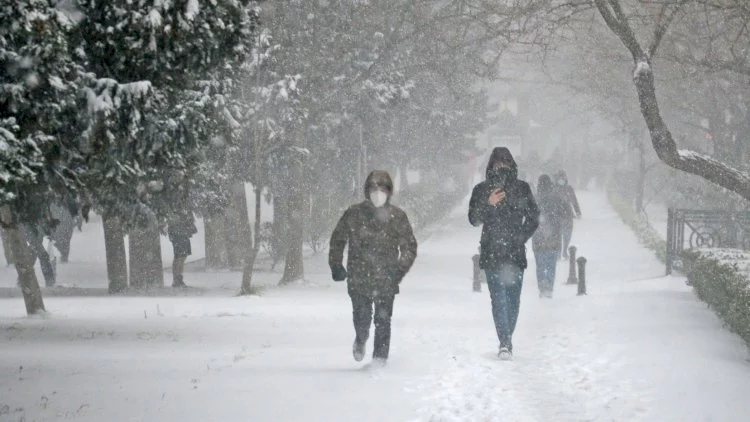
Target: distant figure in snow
{"x":573,"y":210}
{"x":382,"y":249}
{"x":66,"y":214}
{"x":505,"y":207}
{"x":180,"y":228}
{"x":547,"y":238}
{"x":6,"y":249}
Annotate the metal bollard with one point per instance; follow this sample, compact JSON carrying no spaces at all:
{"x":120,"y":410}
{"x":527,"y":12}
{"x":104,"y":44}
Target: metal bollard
{"x":572,"y":274}
{"x":581,"y":276}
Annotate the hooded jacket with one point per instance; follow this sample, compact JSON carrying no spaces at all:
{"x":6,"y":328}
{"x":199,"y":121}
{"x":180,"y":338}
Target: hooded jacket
{"x":508,"y":226}
{"x":569,"y":195}
{"x":553,"y":211}
{"x":382,"y":246}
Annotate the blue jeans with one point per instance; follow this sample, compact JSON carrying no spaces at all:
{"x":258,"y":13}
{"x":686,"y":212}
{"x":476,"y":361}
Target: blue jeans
{"x":505,"y":283}
{"x":546,"y":264}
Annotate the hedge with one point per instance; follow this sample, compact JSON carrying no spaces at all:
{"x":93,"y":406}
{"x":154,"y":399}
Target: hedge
{"x":425,"y":206}
{"x":646,"y":234}
{"x":720,"y":278}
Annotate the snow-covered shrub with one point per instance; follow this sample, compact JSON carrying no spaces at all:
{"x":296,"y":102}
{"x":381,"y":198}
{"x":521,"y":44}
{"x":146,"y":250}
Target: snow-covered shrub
{"x":646,"y":234}
{"x":424,"y":205}
{"x":720,"y":277}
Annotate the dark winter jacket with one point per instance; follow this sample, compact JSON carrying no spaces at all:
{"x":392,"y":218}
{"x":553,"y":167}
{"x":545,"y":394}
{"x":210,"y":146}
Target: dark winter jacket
{"x":553,"y":211}
{"x":181,"y":226}
{"x":509,"y":225}
{"x":569,"y":195}
{"x":382,"y":246}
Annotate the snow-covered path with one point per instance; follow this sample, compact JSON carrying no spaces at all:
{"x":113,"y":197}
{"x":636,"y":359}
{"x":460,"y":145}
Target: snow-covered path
{"x":638,"y":347}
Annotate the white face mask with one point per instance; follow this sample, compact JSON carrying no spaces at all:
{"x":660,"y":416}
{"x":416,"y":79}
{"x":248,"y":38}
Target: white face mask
{"x":378,"y":198}
{"x":561,"y":182}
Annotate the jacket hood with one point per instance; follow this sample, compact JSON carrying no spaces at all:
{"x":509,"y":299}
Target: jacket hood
{"x":502,"y":154}
{"x":381,"y":179}
{"x":545,"y":185}
{"x":561,"y":175}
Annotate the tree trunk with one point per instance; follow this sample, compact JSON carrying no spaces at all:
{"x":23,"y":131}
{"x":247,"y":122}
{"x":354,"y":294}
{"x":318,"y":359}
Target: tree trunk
{"x":280,"y":229}
{"x":641,"y":179}
{"x":7,"y":249}
{"x":217,"y":254}
{"x":258,"y":198}
{"x":247,"y":272}
{"x":24,"y":262}
{"x":146,"y":268}
{"x":240,"y":235}
{"x":114,"y":246}
{"x":294,"y":266}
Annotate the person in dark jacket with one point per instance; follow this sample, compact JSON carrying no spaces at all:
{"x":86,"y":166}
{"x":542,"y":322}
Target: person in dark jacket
{"x":382,"y":249}
{"x":547,"y":239}
{"x":179,"y":230}
{"x":505,"y":207}
{"x":572,"y":210}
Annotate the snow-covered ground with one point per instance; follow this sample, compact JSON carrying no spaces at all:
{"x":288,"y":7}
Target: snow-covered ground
{"x":639,"y":347}
{"x":657,"y":217}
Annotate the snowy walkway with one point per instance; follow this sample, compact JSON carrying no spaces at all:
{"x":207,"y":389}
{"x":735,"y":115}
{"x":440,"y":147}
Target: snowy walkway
{"x":638,"y":347}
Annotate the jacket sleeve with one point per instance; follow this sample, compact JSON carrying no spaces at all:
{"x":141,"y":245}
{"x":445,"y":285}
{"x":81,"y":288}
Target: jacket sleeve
{"x":407,"y":244}
{"x":530,"y":215}
{"x":561,"y":211}
{"x":338,"y":241}
{"x":478,"y":207}
{"x":574,"y":200}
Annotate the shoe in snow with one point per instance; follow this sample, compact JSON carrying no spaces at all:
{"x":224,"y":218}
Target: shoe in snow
{"x":358,"y":350}
{"x":178,"y":281}
{"x":379,"y":362}
{"x":504,"y":354}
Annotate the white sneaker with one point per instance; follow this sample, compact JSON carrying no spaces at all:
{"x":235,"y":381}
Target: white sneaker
{"x":378,"y":362}
{"x":358,"y":351}
{"x":504,"y":354}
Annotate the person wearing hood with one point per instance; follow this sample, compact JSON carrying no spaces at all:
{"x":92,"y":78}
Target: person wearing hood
{"x":547,"y":238}
{"x":505,"y":208}
{"x":382,"y":249}
{"x":572,"y":209}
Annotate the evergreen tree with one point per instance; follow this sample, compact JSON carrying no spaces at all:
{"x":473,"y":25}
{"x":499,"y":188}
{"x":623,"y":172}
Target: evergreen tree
{"x":39,"y":159}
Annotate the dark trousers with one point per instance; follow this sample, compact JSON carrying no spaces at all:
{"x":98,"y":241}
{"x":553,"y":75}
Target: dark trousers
{"x":362,"y":308}
{"x":505,"y":284}
{"x":546,"y":264}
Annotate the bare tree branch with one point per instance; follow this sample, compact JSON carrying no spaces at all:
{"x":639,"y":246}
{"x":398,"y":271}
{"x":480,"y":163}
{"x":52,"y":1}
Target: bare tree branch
{"x":666,"y":16}
{"x":661,"y":138}
{"x":615,"y":18}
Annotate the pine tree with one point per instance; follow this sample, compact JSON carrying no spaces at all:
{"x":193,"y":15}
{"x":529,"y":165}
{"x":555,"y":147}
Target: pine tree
{"x":154,"y":115}
{"x":39,"y":161}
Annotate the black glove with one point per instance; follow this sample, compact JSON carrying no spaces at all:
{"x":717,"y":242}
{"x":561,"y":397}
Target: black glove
{"x":338,"y":272}
{"x":397,"y":274}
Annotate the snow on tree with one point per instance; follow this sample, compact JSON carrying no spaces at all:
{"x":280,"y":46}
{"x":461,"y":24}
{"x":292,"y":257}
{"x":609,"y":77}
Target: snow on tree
{"x":155,"y":59}
{"x":38,"y":105}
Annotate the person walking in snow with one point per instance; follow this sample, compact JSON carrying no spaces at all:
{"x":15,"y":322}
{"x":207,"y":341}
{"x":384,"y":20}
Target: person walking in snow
{"x":505,"y":208}
{"x":547,"y":238}
{"x":382,"y":249}
{"x":179,"y":230}
{"x":573,"y":210}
